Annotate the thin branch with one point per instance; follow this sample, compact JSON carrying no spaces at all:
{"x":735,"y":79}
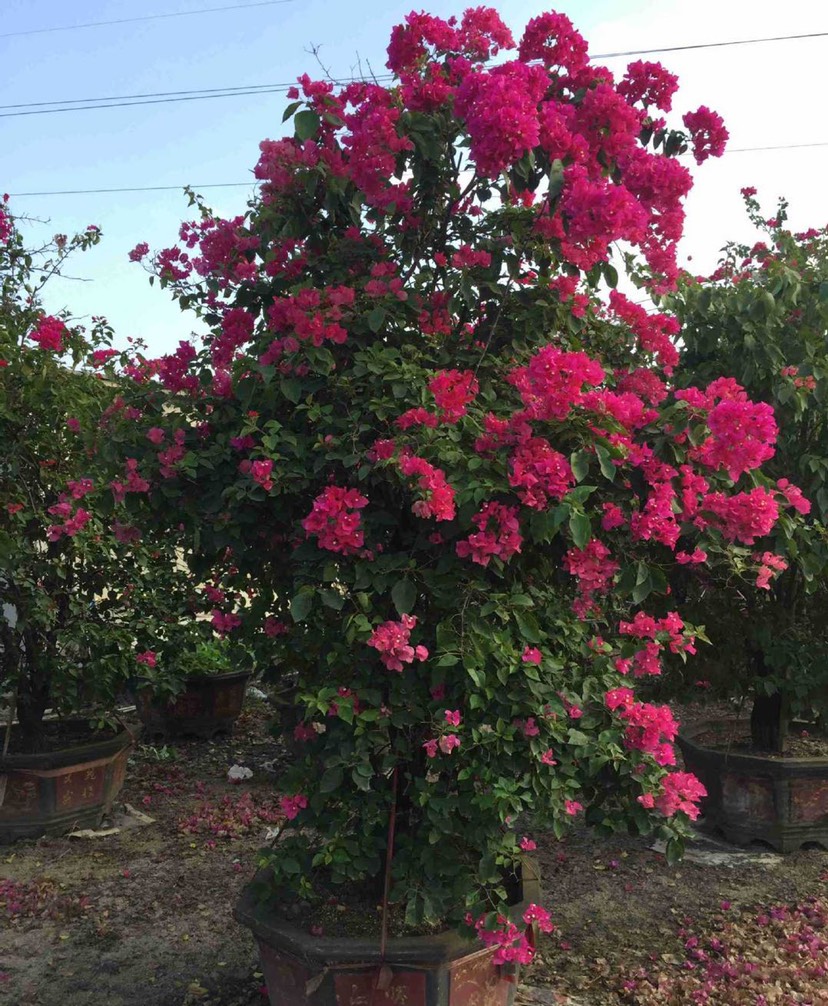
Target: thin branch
{"x":314,"y":50}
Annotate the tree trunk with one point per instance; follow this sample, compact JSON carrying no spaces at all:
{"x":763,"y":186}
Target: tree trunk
{"x":31,"y":705}
{"x":769,"y":716}
{"x":769,"y":722}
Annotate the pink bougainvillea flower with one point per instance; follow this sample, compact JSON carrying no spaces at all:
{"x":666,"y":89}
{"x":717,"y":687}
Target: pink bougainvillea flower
{"x":531,"y":655}
{"x":335,"y":520}
{"x":291,"y":805}
{"x":448,"y":742}
{"x":50,"y":334}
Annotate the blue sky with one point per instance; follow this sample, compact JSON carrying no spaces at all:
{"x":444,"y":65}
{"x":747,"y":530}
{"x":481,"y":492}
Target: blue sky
{"x":759,"y":89}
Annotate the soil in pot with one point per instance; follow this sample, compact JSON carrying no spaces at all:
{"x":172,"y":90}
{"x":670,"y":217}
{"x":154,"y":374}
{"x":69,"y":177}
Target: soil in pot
{"x":803,"y":741}
{"x":349,"y":912}
{"x":58,"y":735}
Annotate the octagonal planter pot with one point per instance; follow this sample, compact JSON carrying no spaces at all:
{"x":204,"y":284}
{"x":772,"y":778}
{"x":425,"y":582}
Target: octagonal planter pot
{"x":58,"y":791}
{"x":208,"y":706}
{"x":441,"y":970}
{"x":780,"y":801}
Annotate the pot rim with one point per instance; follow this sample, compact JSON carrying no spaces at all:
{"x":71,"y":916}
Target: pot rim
{"x":686,"y":739}
{"x":198,"y":680}
{"x":78,"y":754}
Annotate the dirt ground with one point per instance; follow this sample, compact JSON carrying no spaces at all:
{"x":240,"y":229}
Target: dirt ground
{"x":144,"y":917}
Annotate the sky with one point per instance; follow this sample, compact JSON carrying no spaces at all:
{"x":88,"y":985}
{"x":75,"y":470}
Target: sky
{"x":766,"y":92}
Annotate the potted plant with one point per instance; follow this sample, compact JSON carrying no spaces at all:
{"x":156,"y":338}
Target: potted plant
{"x":65,"y":642}
{"x":194,"y":688}
{"x":760,"y":318}
{"x":449,"y":483}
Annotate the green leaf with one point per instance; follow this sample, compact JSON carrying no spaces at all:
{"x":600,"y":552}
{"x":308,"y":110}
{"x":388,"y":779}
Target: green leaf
{"x":331,"y":779}
{"x":291,"y":388}
{"x":376,"y":319}
{"x":556,"y":179}
{"x":290,"y":110}
{"x":544,"y":525}
{"x":361,"y":781}
{"x":658,"y":581}
{"x":610,"y":275}
{"x":301,"y":605}
{"x":448,"y":660}
{"x":608,"y":469}
{"x":675,"y":851}
{"x":641,"y":590}
{"x":528,"y":626}
{"x":521,"y":601}
{"x":404,"y":596}
{"x":580,"y":494}
{"x":580,"y":465}
{"x":580,"y":528}
{"x":477,"y":676}
{"x":332,"y":599}
{"x":306,"y":123}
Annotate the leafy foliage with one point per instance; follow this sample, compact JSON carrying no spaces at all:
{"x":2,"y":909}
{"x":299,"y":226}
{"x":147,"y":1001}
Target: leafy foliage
{"x":79,"y":590}
{"x":761,"y":319}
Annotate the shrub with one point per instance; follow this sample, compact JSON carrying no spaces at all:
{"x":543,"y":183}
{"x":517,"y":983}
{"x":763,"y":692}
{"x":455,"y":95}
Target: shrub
{"x":761,"y":319}
{"x":434,"y":476}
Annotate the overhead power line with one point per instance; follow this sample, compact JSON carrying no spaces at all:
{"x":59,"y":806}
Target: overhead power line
{"x":144,"y":101}
{"x":235,"y":185}
{"x":144,"y":17}
{"x":778,"y":146}
{"x":709,"y":45}
{"x":137,"y":188}
{"x":146,"y":94}
{"x":164,"y":97}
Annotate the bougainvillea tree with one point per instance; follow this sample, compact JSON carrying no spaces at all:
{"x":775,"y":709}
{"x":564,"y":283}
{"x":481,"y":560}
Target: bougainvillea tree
{"x":761,"y":319}
{"x":81,"y":595}
{"x":436,"y":477}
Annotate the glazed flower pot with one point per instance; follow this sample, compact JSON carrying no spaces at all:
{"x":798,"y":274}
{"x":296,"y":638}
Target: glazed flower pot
{"x":441,"y":970}
{"x":209,"y":705}
{"x":780,"y":801}
{"x":58,"y":791}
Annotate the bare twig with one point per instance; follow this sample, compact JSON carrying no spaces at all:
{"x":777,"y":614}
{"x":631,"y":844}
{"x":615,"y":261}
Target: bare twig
{"x":314,"y":50}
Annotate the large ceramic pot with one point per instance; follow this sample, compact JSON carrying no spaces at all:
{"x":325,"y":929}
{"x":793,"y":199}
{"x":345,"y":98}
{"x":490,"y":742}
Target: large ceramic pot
{"x":441,"y":970}
{"x":58,"y":791}
{"x":207,"y":706}
{"x":780,"y":801}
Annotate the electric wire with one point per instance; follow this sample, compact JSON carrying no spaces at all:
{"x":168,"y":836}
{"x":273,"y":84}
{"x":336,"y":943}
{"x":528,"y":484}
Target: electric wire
{"x":143,"y":17}
{"x":163,"y":97}
{"x":230,"y":185}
